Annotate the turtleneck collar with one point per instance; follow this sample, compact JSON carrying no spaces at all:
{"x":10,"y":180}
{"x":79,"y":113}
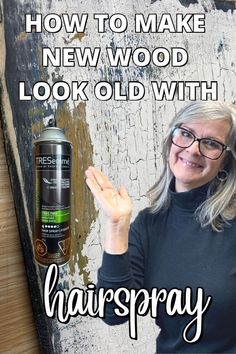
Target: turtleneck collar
{"x":188,"y":200}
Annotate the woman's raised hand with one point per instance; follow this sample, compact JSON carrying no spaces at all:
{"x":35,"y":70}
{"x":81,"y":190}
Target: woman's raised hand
{"x":117,"y":206}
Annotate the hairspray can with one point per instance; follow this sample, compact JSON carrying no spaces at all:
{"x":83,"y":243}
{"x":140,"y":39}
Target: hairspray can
{"x":52,"y":229}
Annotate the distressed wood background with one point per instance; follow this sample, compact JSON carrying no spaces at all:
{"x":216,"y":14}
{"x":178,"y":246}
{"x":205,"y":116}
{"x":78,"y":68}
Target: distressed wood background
{"x":122,"y":138}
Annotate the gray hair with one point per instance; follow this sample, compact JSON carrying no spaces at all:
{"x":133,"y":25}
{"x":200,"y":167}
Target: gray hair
{"x":220,"y":206}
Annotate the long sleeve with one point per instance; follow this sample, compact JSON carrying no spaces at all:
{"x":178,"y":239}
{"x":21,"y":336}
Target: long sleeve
{"x":171,"y":251}
{"x":125,"y":270}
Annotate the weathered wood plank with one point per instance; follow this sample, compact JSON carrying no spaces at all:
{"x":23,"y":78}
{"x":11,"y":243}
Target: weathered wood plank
{"x":18,"y":331}
{"x":8,"y":110}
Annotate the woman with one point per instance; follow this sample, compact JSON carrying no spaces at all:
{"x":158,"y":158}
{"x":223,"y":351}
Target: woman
{"x":187,"y":238}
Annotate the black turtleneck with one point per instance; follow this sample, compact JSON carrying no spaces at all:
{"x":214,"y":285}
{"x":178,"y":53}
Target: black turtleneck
{"x":171,"y":250}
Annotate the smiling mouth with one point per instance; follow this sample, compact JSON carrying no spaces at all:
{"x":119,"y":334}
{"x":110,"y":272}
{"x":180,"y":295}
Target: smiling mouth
{"x":190,"y":163}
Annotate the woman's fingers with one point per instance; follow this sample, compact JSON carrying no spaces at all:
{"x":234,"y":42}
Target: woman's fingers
{"x":123,"y":192}
{"x":115,"y":203}
{"x":93,"y":186}
{"x":105,"y":198}
{"x":100,"y":186}
{"x":99,"y":178}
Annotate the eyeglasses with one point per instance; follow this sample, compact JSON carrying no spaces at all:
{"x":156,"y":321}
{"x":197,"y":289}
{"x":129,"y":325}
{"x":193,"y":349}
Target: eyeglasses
{"x":208,"y":147}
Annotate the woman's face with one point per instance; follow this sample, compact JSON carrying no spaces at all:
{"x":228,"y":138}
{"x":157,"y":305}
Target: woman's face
{"x":190,"y":168}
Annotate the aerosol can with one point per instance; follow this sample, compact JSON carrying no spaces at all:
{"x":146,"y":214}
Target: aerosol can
{"x":52,"y":197}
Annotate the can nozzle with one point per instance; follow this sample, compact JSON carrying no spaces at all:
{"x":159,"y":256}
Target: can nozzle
{"x":52,"y":122}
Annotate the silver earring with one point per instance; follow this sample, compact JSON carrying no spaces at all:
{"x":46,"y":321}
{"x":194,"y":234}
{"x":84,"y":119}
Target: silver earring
{"x":222,"y":175}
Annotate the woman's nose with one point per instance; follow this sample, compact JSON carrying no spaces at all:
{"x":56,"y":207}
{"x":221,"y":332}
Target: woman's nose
{"x":194,"y":148}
